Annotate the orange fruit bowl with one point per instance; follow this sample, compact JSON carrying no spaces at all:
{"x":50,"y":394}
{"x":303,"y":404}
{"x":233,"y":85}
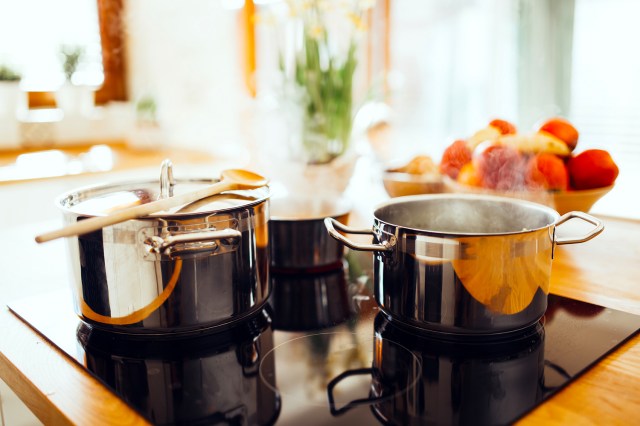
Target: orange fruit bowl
{"x":399,"y":184}
{"x":561,"y":201}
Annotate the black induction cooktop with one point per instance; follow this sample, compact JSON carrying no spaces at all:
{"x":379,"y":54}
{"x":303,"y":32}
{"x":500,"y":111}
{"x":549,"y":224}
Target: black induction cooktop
{"x":321,"y":352}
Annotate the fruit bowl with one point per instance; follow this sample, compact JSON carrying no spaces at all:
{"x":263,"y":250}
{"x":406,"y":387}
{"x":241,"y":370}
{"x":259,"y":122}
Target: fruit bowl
{"x":399,"y":184}
{"x":561,"y":201}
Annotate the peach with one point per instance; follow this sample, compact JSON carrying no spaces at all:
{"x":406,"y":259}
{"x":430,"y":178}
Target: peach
{"x":593,"y":168}
{"x":546,"y":171}
{"x":454,"y":157}
{"x":561,"y":129}
{"x":503,"y":126}
{"x":469,"y":175}
{"x":499,"y":166}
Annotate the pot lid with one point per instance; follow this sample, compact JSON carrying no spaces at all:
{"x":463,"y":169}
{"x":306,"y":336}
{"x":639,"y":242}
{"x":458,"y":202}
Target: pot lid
{"x":104,"y":199}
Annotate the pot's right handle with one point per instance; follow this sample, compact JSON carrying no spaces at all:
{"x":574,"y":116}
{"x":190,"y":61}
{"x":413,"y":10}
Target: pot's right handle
{"x":331,"y":224}
{"x":599,"y":227}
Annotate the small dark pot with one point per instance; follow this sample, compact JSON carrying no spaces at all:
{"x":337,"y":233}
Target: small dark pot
{"x":298,"y":240}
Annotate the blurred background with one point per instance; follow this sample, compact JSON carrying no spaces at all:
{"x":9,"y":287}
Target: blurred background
{"x":200,"y":75}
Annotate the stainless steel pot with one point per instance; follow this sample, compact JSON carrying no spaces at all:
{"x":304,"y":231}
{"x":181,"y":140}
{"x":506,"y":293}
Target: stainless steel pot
{"x":298,"y":239}
{"x":194,"y":267}
{"x":461,"y":263}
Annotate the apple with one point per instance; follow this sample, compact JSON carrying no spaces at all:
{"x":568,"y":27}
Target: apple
{"x":593,"y":168}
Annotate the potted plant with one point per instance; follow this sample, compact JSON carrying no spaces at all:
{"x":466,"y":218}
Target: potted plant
{"x":74,"y":97}
{"x":10,"y":102}
{"x":318,"y":56}
{"x":9,"y":91}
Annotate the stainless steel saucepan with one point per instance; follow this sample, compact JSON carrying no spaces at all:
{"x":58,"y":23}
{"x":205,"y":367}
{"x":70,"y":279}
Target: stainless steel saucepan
{"x":186,"y":269}
{"x":463,"y":263}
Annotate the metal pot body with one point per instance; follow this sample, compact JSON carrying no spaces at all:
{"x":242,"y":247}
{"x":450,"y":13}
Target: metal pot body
{"x":208,"y":379}
{"x":464,"y":264}
{"x":175,"y":272}
{"x":298,"y":239}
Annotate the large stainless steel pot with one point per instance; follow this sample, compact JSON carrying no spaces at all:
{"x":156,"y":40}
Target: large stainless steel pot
{"x":463,"y":264}
{"x":194,"y":267}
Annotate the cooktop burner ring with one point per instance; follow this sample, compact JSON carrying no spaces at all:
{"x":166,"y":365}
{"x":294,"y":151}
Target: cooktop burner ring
{"x":331,"y":348}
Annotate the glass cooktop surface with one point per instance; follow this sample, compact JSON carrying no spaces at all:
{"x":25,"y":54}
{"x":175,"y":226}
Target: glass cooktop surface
{"x":321,"y":352}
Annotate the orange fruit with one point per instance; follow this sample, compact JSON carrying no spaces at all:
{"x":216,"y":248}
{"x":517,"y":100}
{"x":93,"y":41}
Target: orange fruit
{"x":563,"y":130}
{"x":546,"y":171}
{"x":454,"y":157}
{"x":593,"y":168}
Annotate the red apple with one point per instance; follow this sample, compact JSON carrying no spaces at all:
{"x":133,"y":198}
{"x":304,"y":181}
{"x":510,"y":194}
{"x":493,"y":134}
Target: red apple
{"x":593,"y":168}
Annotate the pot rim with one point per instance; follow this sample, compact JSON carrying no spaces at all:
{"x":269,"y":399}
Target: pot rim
{"x":78,"y":192}
{"x":337,"y":208}
{"x":483,"y":197}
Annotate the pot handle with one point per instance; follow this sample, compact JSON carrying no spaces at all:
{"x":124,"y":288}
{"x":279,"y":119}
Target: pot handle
{"x":356,"y":402}
{"x":331,"y":224}
{"x":173,"y":245}
{"x":599,"y":227}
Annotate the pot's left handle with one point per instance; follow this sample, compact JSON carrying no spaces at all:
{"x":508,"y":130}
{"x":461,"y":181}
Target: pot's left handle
{"x":598,"y":227}
{"x":331,"y":224}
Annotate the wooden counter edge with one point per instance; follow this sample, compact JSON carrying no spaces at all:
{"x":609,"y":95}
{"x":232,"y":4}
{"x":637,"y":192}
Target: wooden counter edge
{"x":46,"y":377}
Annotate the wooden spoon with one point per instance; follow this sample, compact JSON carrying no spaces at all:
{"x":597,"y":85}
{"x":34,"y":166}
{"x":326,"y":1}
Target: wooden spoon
{"x":230,"y":180}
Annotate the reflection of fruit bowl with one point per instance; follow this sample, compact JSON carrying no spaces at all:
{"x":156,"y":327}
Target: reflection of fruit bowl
{"x":561,"y":201}
{"x":399,"y":184}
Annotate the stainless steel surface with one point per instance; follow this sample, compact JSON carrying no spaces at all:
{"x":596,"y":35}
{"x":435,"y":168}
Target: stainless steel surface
{"x":298,"y":239}
{"x":166,"y":179}
{"x":331,"y":225}
{"x":599,"y":227}
{"x":209,"y":269}
{"x":463,"y":264}
{"x":205,"y":240}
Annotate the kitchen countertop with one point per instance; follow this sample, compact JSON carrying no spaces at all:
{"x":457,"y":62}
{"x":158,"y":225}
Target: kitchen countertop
{"x":602,"y":271}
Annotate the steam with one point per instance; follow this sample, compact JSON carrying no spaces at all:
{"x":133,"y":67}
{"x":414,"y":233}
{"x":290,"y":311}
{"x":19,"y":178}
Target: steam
{"x":465,"y":215}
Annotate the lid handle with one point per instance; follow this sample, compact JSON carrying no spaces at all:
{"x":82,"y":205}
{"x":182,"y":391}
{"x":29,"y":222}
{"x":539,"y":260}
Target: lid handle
{"x":166,"y":179}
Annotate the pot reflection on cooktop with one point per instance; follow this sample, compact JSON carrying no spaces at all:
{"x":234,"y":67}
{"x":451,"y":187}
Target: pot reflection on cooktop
{"x":306,"y":302}
{"x":311,"y":373}
{"x":210,"y":379}
{"x":372,"y":369}
{"x":459,"y":382}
